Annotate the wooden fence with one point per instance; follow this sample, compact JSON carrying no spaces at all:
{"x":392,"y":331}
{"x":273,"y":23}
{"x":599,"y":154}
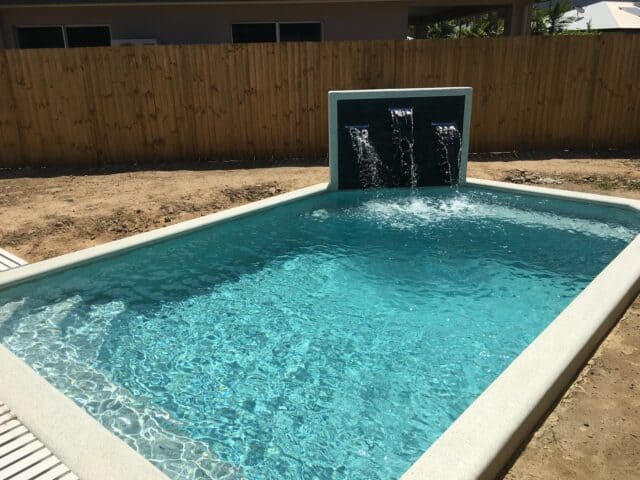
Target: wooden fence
{"x":264,"y":101}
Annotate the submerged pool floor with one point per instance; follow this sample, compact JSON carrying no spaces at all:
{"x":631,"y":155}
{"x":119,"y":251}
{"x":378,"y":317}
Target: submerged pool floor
{"x":335,"y":337}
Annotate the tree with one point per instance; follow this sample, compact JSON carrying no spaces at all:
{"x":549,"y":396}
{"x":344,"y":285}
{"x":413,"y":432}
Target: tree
{"x":549,"y":17}
{"x":443,"y":29}
{"x":489,"y":24}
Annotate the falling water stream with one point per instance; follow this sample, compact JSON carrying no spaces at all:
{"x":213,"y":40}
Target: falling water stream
{"x":369,"y":161}
{"x":371,"y":169}
{"x":448,"y":135}
{"x":403,"y":139}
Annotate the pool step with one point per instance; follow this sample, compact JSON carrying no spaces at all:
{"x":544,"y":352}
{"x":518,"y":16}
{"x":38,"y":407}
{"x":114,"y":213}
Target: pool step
{"x":23,"y":456}
{"x":9,"y":261}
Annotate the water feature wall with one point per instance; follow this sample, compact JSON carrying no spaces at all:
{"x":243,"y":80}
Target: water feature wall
{"x":398,"y":138}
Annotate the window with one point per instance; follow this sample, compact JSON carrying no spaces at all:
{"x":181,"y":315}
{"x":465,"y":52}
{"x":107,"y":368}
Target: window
{"x":254,"y":32}
{"x":98,"y":36}
{"x":59,"y":36}
{"x":40,"y":37}
{"x":300,"y":32}
{"x":276,"y":32}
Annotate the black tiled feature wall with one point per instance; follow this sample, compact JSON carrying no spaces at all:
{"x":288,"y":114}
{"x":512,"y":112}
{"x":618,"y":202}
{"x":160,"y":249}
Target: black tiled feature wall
{"x":375,"y":113}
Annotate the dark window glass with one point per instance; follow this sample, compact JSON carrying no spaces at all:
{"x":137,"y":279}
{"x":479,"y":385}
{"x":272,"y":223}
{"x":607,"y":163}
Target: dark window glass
{"x":253,"y":32}
{"x":40,"y":37}
{"x":88,"y":36}
{"x":300,"y":32}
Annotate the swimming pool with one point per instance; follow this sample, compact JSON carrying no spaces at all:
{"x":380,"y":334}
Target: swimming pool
{"x":334,"y":337}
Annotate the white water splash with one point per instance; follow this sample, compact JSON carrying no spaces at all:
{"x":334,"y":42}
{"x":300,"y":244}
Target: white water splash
{"x":320,"y":214}
{"x":413,"y":212}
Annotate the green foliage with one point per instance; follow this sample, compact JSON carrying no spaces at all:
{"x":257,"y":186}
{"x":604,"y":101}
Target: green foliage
{"x":487,"y":25}
{"x":483,"y":25}
{"x":446,"y":29}
{"x":549,"y":19}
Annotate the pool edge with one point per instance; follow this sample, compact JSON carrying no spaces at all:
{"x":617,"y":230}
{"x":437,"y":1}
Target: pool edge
{"x":481,"y":441}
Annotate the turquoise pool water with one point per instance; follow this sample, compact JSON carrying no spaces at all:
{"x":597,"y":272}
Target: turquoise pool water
{"x":334,"y":337}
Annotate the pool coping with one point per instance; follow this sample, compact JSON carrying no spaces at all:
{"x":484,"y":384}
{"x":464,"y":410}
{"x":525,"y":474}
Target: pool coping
{"x":477,"y":445}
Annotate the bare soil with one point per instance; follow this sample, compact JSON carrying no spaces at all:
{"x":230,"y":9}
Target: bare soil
{"x":45,"y":216}
{"x":593,"y":432}
{"x":613,"y":176}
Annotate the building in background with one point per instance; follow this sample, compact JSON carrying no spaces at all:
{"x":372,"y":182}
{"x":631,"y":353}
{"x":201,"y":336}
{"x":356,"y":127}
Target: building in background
{"x":84,"y":23}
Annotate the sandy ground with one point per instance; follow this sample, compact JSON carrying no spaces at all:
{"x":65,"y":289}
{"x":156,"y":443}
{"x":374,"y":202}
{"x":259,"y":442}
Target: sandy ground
{"x":46,"y":216}
{"x":614,"y":176}
{"x":593,"y":432}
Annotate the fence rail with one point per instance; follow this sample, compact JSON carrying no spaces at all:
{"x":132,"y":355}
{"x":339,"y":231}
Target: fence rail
{"x":178,"y":103}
